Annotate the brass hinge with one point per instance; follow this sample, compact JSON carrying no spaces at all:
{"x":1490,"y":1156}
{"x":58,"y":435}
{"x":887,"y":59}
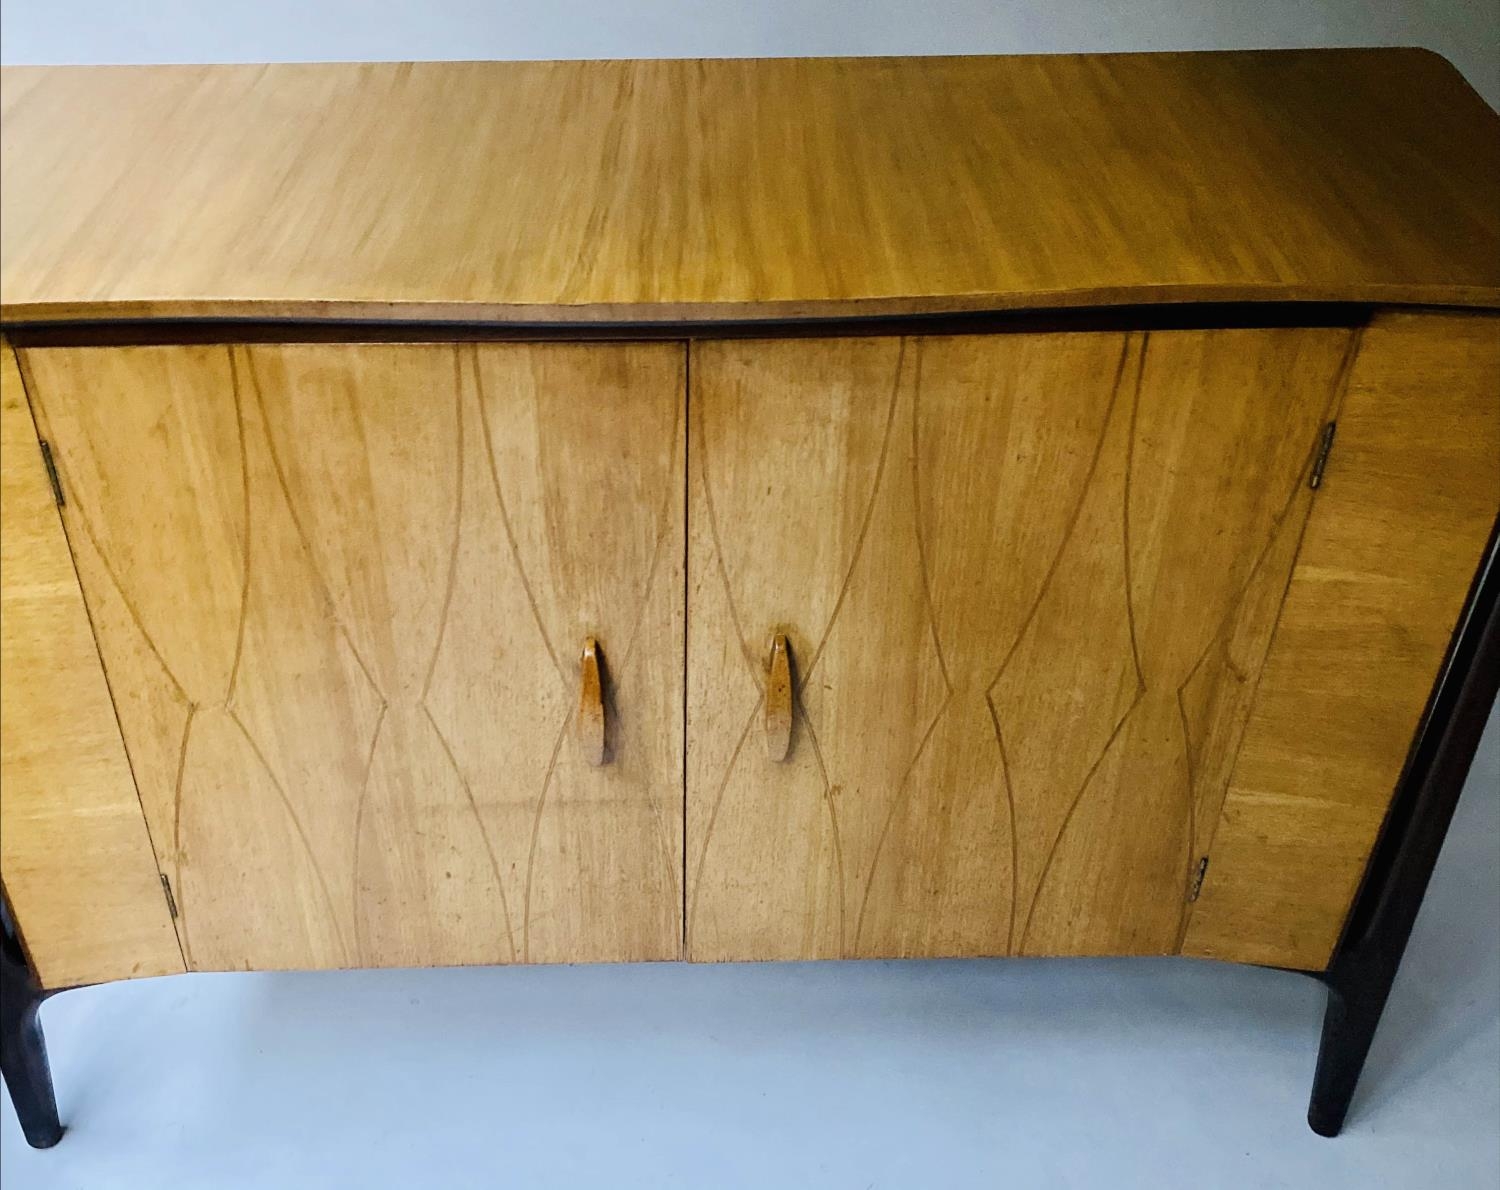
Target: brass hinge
{"x":51,"y":465}
{"x":1325,"y":444}
{"x":166,"y":887}
{"x":1197,"y":885}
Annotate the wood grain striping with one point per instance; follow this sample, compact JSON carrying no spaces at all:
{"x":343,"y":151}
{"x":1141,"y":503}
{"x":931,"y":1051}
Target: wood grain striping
{"x":835,"y":187}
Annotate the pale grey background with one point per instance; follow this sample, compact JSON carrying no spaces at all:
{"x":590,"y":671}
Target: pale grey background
{"x":1467,"y":31}
{"x":1160,"y":1074}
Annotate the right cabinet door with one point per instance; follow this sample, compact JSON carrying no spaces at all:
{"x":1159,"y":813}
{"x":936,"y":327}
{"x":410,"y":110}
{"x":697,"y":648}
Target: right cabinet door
{"x":1028,"y":584}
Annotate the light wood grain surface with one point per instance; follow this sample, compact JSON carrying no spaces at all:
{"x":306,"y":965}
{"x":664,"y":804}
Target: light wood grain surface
{"x":1029,"y":581}
{"x":339,"y":592}
{"x":557,"y":191}
{"x":76,"y":861}
{"x":1410,"y":494}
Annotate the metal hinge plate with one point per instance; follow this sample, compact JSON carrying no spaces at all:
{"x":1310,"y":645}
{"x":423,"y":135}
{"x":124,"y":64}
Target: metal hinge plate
{"x":166,"y":888}
{"x":1197,"y":885}
{"x":52,"y":478}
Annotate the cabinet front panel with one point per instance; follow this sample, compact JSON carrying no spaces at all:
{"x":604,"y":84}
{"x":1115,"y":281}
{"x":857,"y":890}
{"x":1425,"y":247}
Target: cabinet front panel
{"x":1028,"y":582}
{"x":341,"y":593}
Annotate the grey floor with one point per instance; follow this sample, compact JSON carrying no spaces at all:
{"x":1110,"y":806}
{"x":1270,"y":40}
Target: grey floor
{"x":1122,"y":1073}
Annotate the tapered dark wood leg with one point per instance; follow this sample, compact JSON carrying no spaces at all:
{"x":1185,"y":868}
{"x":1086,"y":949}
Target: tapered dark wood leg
{"x":23,"y":1051}
{"x":1369,"y":954}
{"x":1349,"y":1025}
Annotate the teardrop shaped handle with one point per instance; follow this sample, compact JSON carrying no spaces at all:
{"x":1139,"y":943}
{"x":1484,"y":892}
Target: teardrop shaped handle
{"x":779,"y":699}
{"x":590,"y":704}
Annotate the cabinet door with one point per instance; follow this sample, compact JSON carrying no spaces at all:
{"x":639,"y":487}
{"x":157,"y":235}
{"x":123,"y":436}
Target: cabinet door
{"x":1028,"y":582}
{"x":342,"y":593}
{"x":74,"y":853}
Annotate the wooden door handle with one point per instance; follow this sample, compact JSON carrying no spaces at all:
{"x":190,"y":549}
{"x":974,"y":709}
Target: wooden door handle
{"x":779,"y":699}
{"x":590,"y":704}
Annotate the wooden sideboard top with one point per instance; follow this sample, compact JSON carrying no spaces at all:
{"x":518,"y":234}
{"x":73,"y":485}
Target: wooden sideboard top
{"x":734,"y":189}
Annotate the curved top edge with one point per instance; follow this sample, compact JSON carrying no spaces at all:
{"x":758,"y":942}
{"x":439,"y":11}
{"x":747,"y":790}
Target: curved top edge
{"x":735,"y":189}
{"x":659,"y":313}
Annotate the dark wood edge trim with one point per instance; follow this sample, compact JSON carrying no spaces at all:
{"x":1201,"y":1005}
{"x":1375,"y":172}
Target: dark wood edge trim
{"x":1437,"y":765}
{"x":13,"y":946}
{"x":1368,"y":956}
{"x":677,"y":311}
{"x":23,"y":1047}
{"x":1184,"y":316}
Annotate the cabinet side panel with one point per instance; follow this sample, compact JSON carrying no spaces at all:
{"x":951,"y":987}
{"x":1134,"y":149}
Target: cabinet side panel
{"x":74,"y":850}
{"x":1410,"y":493}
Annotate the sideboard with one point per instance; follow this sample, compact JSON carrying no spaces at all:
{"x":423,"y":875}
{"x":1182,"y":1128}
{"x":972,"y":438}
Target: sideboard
{"x":482,"y":513}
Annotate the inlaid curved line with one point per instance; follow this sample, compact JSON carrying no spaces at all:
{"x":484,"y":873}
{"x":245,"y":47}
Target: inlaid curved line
{"x":1332,"y":406}
{"x":239,"y":632}
{"x":536,"y":830}
{"x":359,"y":820}
{"x":1208,"y":842}
{"x":180,"y":925}
{"x":757,"y":677}
{"x":1274,"y":532}
{"x":1135,"y":409}
{"x":642,"y":607}
{"x":751,"y":660}
{"x":663,"y":516}
{"x":484,"y":835}
{"x":324,"y":589}
{"x":1226,"y":624}
{"x":182,"y":751}
{"x":130,"y":609}
{"x":1134,"y":653}
{"x":1041,"y":881}
{"x":898,"y":800}
{"x":302,"y":536}
{"x":833,"y":824}
{"x":38,"y":415}
{"x":722,"y":566}
{"x":1190,"y":756}
{"x":902,"y":793}
{"x":864,"y":528}
{"x":291,"y":811}
{"x":916,"y":496}
{"x":460,"y":450}
{"x":1010,"y":804}
{"x":1073,"y":517}
{"x":1085,"y":490}
{"x":1218,"y":641}
{"x":713,"y":814}
{"x":458,"y":524}
{"x":510,"y":535}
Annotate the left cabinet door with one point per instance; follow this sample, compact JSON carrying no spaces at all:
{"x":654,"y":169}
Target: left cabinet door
{"x":342,"y":593}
